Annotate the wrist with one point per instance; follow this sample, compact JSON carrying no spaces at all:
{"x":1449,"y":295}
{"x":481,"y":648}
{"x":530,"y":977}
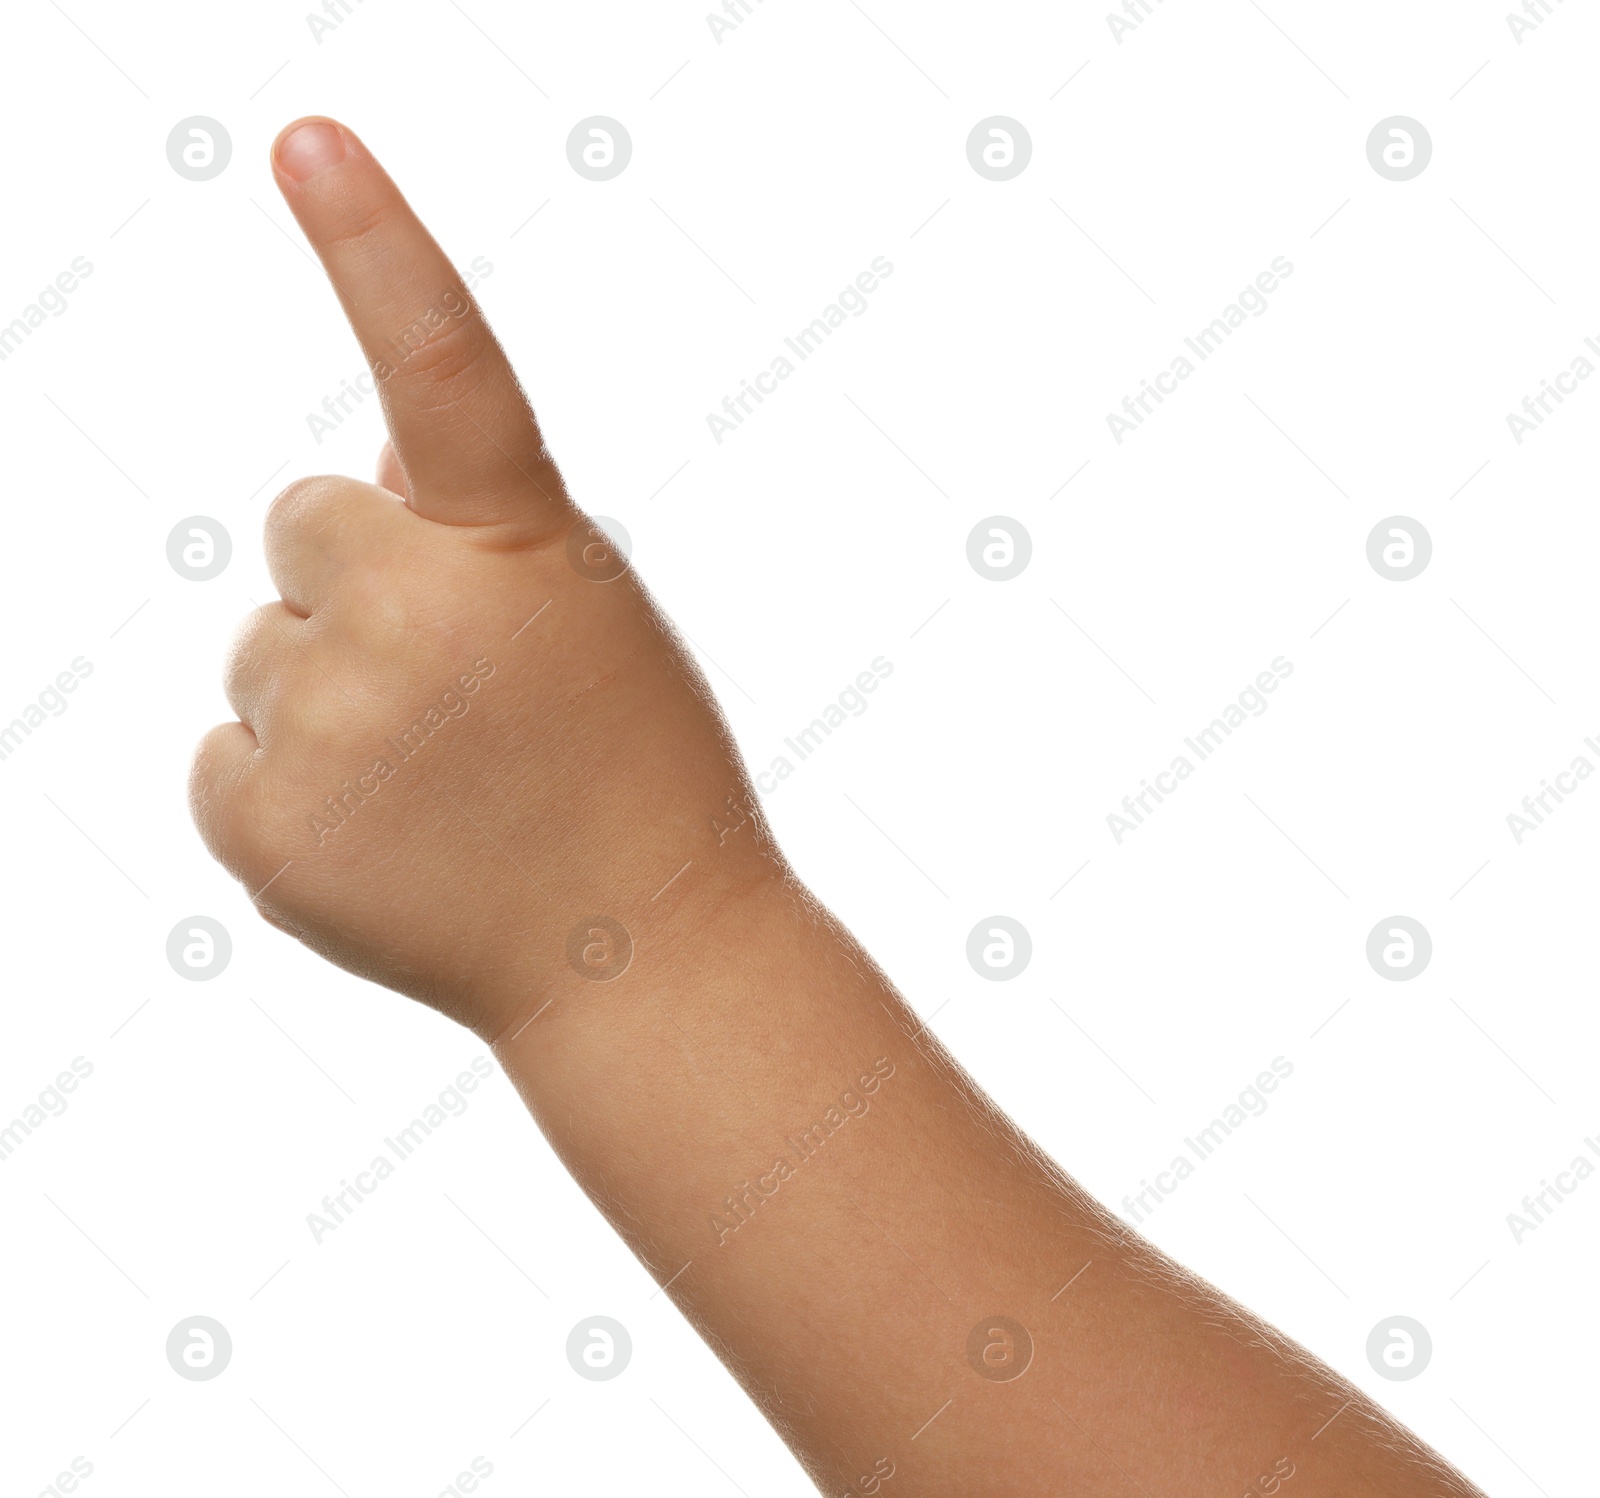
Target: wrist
{"x":735,"y":1012}
{"x":686,"y":935}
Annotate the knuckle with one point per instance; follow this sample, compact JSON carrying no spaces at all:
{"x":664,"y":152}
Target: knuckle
{"x":256,"y":634}
{"x":304,"y":502}
{"x":361,"y":226}
{"x":257,"y":669}
{"x":218,"y":775}
{"x":450,"y":356}
{"x":248,"y":815}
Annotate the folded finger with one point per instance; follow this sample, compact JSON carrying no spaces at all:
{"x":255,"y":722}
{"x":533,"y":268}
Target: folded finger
{"x":319,"y":528}
{"x":258,"y":672}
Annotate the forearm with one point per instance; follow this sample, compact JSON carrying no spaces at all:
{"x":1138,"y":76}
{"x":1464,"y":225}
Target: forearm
{"x":861,"y":1270}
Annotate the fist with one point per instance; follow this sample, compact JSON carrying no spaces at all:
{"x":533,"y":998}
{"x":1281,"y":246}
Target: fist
{"x":469,"y":751}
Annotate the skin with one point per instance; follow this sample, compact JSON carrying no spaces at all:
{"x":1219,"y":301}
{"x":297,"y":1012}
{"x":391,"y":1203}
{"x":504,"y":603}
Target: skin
{"x":567,"y":857}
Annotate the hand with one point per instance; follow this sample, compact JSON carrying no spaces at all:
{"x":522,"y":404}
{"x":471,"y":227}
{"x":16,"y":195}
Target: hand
{"x":467,"y":739}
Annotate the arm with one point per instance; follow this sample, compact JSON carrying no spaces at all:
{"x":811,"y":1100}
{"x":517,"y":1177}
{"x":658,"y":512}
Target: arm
{"x":879,"y":1256}
{"x":474,"y":763}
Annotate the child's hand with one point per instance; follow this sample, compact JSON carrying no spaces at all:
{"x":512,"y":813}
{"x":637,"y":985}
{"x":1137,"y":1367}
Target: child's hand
{"x":467,"y":739}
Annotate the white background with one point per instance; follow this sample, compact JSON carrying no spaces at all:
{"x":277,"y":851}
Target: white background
{"x":831,"y":529}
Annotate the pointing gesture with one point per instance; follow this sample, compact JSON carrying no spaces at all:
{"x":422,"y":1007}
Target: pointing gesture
{"x":464,"y":716}
{"x":463,"y":432}
{"x":473,"y":763}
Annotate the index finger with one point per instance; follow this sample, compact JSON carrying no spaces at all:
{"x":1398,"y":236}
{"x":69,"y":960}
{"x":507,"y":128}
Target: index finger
{"x":462,"y":428}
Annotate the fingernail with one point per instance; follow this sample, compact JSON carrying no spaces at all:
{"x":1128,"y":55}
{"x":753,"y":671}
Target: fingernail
{"x":310,"y":148}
